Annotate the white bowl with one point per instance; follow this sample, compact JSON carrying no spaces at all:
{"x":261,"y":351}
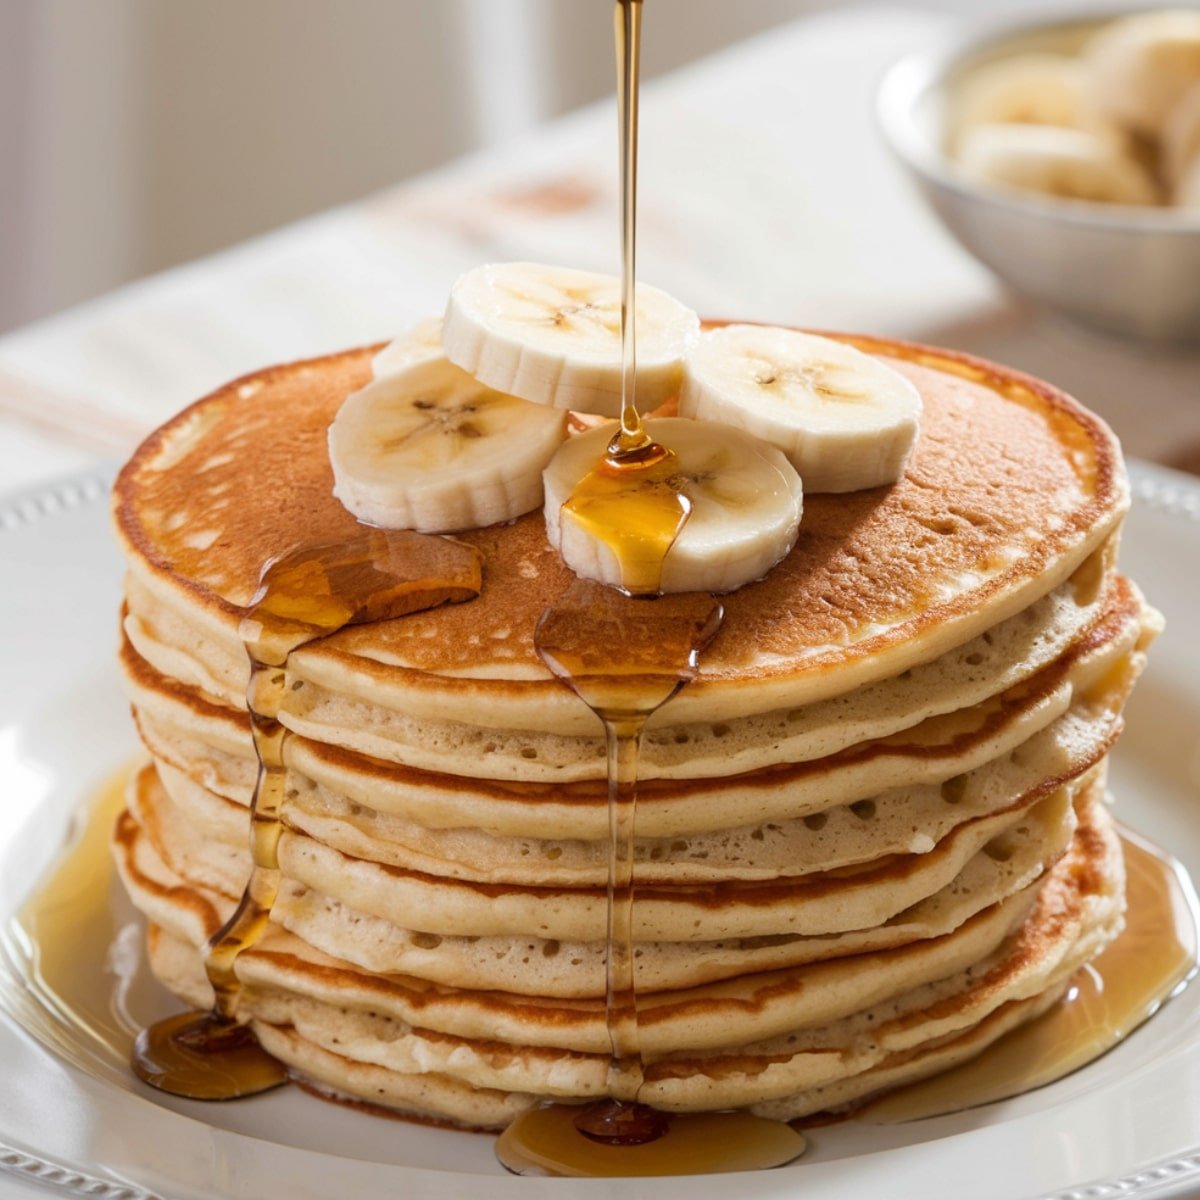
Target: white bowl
{"x":1131,"y":271}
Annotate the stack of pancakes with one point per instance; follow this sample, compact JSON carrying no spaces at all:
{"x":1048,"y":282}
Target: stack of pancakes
{"x":871,"y":836}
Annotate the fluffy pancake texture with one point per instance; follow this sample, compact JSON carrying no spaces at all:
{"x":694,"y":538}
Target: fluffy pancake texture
{"x":871,"y":835}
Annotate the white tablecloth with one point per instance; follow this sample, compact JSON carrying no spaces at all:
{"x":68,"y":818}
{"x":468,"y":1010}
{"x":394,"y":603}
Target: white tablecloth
{"x":765,"y":193}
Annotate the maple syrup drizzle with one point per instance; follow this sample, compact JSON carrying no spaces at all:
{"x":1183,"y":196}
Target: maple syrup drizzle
{"x":631,"y":499}
{"x":625,"y":658}
{"x":305,"y":594}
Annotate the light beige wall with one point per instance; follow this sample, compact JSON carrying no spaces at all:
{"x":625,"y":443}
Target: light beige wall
{"x":72,"y":130}
{"x":152,"y":131}
{"x":674,"y":32}
{"x":260,"y":111}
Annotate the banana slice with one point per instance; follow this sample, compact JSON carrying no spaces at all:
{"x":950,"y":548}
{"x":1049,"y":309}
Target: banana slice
{"x":843,"y":419}
{"x":1070,"y":163}
{"x":746,"y":505}
{"x":553,"y":336}
{"x":1138,"y":68}
{"x":418,"y":344}
{"x":1026,"y":89}
{"x":1181,"y":136}
{"x":430,"y":448}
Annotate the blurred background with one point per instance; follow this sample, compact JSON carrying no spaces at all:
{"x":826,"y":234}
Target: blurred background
{"x":137,"y":134}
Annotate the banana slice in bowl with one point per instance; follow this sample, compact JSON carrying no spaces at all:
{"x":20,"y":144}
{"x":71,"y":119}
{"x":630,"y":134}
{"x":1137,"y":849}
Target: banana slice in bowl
{"x":1072,"y":164}
{"x":844,"y":420}
{"x":429,"y":448}
{"x":552,"y":335}
{"x":1025,"y":89}
{"x":1139,"y":67}
{"x":745,"y":499}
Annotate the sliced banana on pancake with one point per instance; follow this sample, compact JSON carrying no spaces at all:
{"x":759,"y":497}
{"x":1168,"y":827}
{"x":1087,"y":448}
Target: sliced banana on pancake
{"x":429,"y":448}
{"x":418,"y":344}
{"x":553,"y":335}
{"x":746,"y":503}
{"x":1070,"y":163}
{"x":844,"y":420}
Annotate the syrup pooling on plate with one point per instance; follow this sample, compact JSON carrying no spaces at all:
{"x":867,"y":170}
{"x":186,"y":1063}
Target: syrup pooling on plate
{"x":1105,"y":1002}
{"x":305,"y":594}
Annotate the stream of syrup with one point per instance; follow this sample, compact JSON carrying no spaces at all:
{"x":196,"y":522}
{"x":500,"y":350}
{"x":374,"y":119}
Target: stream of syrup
{"x":631,"y":498}
{"x":306,"y":594}
{"x":625,"y":657}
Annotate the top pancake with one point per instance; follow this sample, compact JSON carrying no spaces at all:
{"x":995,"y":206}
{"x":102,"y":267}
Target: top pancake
{"x":1010,"y":487}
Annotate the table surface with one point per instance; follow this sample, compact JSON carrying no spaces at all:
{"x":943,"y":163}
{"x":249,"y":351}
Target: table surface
{"x":765,"y":193}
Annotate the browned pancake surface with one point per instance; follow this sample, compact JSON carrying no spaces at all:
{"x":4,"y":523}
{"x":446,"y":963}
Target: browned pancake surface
{"x":243,"y":475}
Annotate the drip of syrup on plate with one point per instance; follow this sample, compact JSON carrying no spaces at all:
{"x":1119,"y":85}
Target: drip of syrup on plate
{"x":1110,"y":997}
{"x":308,"y":593}
{"x":546,"y":1141}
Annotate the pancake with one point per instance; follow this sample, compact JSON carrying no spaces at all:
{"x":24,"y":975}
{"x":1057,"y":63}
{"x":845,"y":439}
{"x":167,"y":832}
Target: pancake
{"x":1010,"y":861}
{"x":932,"y":752}
{"x":870,"y":836}
{"x":1000,"y":658}
{"x":879,"y":581}
{"x":932,"y":997}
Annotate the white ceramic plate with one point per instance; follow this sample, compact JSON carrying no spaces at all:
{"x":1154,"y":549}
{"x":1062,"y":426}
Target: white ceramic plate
{"x":1129,"y":1124}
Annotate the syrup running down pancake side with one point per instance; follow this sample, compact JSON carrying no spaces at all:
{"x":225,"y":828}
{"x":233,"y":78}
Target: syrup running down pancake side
{"x":305,"y":594}
{"x":625,"y":658}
